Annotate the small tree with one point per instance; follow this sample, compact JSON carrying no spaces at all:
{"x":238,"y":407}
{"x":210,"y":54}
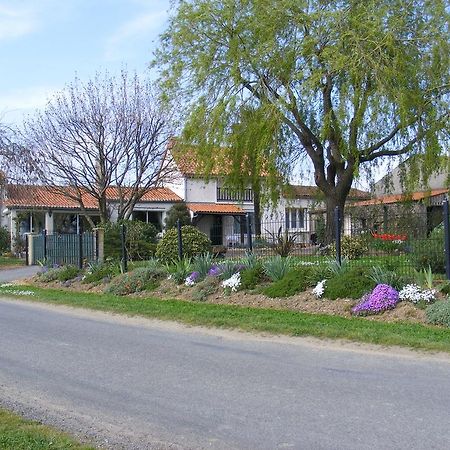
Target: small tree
{"x":177,"y":211}
{"x":105,"y":138}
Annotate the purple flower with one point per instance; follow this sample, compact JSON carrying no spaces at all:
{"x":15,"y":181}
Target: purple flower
{"x":215,"y":271}
{"x":383,"y":297}
{"x":194,"y":276}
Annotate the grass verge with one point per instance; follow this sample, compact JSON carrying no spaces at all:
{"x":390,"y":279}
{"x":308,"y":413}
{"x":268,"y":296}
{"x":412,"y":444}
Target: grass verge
{"x":252,"y":319}
{"x":21,"y":434}
{"x":9,"y":261}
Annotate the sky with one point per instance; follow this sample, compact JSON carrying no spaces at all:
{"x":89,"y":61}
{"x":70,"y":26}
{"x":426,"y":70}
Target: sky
{"x":45,"y":44}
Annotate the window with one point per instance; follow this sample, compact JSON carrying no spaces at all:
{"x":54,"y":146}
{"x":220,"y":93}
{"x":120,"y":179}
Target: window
{"x":295,"y":218}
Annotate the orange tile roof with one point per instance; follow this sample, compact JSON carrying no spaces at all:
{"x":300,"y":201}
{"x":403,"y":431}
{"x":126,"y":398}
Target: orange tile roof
{"x":397,"y":198}
{"x":189,"y":164}
{"x":30,"y":196}
{"x":215,"y":208}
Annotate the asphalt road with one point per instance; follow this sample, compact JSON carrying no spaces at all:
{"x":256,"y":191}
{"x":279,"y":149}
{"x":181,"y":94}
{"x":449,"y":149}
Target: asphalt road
{"x":132,"y":383}
{"x":17,"y":273}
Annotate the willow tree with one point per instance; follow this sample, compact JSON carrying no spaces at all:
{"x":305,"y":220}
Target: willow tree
{"x":353,"y":82}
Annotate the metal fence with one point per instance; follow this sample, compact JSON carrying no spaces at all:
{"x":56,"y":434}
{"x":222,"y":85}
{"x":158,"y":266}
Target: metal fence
{"x":389,"y":236}
{"x":57,"y":248}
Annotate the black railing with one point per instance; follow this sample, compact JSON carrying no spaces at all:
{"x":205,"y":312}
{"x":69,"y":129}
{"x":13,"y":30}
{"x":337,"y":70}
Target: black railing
{"x":226,"y":194}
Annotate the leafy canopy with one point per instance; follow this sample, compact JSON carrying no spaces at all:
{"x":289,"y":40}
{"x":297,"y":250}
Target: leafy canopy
{"x":344,"y":82}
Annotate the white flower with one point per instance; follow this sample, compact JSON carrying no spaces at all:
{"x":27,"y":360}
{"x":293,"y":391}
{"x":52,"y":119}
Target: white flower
{"x":413,"y":293}
{"x":398,"y":241}
{"x":189,"y":282}
{"x":319,"y":289}
{"x":233,"y":282}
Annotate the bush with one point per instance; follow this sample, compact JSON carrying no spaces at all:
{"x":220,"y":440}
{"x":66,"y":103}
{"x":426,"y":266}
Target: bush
{"x":140,"y":279}
{"x":252,"y":276}
{"x":66,"y":273}
{"x":430,"y":252}
{"x":5,"y":240}
{"x":277,"y":267}
{"x":204,"y":288}
{"x":177,"y":211}
{"x":97,"y":272}
{"x":140,"y":240}
{"x":439,"y":313}
{"x":48,"y":275}
{"x":351,"y":283}
{"x":194,"y":243}
{"x":352,"y":247}
{"x":292,"y":283}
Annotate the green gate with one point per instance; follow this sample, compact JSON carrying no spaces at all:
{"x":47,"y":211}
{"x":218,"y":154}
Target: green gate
{"x":63,"y":249}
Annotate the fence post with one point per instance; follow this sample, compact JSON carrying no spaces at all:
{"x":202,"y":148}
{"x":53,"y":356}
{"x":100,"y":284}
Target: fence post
{"x":100,"y":244}
{"x":80,"y":249}
{"x":445,"y":210}
{"x":44,"y":243}
{"x":249,"y":233}
{"x":337,"y":233}
{"x":26,"y":251}
{"x":180,"y":240}
{"x":30,"y":249}
{"x":123,"y":240}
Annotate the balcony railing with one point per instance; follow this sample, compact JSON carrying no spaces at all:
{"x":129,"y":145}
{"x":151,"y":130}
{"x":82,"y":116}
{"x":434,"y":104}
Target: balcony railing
{"x":229,"y":195}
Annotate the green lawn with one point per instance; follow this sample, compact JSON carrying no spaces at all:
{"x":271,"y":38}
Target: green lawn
{"x":20,"y":434}
{"x":253,"y":319}
{"x":11,"y":261}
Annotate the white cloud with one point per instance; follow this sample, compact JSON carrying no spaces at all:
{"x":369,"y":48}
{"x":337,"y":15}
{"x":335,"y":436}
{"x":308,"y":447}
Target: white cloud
{"x":16,"y":21}
{"x":140,"y":27}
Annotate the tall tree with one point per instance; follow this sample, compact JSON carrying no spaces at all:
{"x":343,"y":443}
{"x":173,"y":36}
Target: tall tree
{"x":102,"y":138}
{"x":352,"y":82}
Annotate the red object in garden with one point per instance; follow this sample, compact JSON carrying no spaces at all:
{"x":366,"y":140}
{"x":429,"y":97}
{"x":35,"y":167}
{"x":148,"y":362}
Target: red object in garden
{"x":390,"y":237}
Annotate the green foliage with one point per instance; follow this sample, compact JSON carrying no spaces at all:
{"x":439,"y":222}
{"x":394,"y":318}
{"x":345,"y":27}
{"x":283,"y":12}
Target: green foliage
{"x":140,"y":241}
{"x":97,"y":272}
{"x":380,"y":275}
{"x":180,"y":269}
{"x":63,"y":273}
{"x":333,"y":268}
{"x":202,"y":264}
{"x":177,"y":211}
{"x":439,"y":313}
{"x":283,"y":242}
{"x":194,"y":243}
{"x":352,"y":247}
{"x":202,"y":290}
{"x":251,"y":277}
{"x":292,"y":283}
{"x":430,"y":252}
{"x":351,"y":283}
{"x":343,"y":76}
{"x":277,"y":267}
{"x":5,"y":240}
{"x":140,"y":279}
{"x":228,"y":268}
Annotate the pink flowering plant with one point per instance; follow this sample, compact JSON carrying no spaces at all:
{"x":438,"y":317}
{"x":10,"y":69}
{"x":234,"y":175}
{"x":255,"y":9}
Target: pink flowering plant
{"x":382,"y":298}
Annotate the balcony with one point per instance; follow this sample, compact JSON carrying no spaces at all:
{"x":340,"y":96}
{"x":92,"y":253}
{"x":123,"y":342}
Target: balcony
{"x":230,"y":195}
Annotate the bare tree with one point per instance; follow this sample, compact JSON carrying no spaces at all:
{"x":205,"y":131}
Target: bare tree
{"x":104,"y":139}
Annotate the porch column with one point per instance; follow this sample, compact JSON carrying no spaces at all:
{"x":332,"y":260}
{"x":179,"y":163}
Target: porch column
{"x":49,"y":222}
{"x":13,"y":228}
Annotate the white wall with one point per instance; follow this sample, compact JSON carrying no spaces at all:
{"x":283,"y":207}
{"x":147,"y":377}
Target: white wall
{"x":201,"y":191}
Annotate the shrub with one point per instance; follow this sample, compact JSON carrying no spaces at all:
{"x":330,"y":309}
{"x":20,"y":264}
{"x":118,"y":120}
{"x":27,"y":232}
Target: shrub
{"x":5,"y":240}
{"x":277,"y":267}
{"x":204,"y":288}
{"x":140,"y":279}
{"x":49,"y":275}
{"x":194,"y":243}
{"x":252,"y":276}
{"x":382,"y":298}
{"x":140,"y":241}
{"x":177,"y":211}
{"x":352,"y":247}
{"x":351,"y":283}
{"x":66,"y":273}
{"x":180,"y":270}
{"x":283,"y":242}
{"x":292,"y":283}
{"x":439,"y":313}
{"x":97,"y":272}
{"x":430,"y":252}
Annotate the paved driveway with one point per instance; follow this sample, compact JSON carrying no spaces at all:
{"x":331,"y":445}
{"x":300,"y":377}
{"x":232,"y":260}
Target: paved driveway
{"x":18,"y":273}
{"x":133,"y":383}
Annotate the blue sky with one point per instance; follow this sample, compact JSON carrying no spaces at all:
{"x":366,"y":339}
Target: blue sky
{"x":44,"y":44}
